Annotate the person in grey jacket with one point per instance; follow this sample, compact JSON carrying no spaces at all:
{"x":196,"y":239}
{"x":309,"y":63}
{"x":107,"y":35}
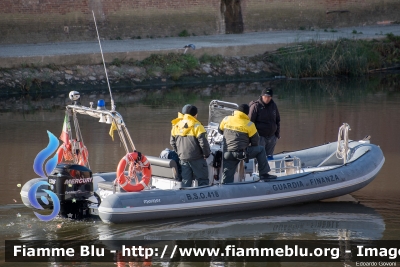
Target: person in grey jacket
{"x":265,"y":115}
{"x":189,"y":140}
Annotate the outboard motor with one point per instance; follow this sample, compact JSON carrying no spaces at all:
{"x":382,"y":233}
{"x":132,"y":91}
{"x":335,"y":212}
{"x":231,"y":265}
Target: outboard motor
{"x":73,"y":185}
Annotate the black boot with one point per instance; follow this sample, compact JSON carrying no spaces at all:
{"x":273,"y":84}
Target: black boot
{"x":267,"y":176}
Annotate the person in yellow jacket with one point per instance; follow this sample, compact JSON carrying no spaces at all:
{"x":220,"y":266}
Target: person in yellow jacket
{"x":180,"y":115}
{"x":168,"y":154}
{"x":239,"y":132}
{"x":189,"y":140}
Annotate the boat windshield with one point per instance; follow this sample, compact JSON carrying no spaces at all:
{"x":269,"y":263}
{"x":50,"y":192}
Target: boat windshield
{"x":218,"y":110}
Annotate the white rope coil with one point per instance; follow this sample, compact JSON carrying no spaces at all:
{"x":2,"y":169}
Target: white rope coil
{"x":343,"y":142}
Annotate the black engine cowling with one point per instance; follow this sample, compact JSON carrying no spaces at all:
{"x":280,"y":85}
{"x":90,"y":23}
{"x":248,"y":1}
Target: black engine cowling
{"x":73,"y":185}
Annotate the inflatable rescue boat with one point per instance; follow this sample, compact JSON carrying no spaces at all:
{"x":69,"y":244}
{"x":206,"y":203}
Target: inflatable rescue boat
{"x":145,"y":187}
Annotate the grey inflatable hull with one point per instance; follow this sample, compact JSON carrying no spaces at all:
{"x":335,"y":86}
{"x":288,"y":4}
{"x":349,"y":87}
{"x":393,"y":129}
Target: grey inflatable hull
{"x":310,"y":184}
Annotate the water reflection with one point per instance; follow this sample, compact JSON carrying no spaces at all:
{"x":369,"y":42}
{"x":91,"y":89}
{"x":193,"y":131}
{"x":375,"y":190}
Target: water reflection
{"x":300,"y":93}
{"x":312,"y":221}
{"x":309,"y":221}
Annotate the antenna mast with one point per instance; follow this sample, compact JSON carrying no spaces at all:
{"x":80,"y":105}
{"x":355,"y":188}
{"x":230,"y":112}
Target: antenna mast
{"x":104,"y":64}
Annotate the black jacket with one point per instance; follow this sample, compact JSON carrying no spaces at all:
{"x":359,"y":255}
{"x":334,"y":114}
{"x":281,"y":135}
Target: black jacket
{"x":265,"y":117}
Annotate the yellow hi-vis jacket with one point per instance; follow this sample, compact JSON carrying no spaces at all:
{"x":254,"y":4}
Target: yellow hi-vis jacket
{"x":238,"y":132}
{"x":189,"y":139}
{"x":175,"y":121}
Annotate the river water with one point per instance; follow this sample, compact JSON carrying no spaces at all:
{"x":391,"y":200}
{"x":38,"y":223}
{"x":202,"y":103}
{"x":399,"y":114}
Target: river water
{"x":311,"y":113}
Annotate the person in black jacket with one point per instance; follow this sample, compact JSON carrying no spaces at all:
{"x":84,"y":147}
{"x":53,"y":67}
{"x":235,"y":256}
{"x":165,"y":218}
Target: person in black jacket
{"x":265,"y":115}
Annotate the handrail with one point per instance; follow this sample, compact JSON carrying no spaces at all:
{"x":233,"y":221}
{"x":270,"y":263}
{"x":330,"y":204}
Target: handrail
{"x":115,"y":117}
{"x":286,"y":168}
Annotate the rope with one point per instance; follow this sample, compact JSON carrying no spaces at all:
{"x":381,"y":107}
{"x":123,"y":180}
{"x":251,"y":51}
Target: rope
{"x":343,"y":144}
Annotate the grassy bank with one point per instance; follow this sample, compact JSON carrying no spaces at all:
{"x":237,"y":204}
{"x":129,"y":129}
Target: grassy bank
{"x":343,"y":57}
{"x":172,"y":65}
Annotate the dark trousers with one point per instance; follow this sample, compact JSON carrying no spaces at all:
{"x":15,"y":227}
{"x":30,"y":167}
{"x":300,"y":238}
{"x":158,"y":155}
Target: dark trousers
{"x":232,"y":159}
{"x":268,"y":143}
{"x":194,"y":169}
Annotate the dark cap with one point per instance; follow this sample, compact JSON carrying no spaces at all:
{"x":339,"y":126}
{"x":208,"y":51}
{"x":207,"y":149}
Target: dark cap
{"x":244,"y":108}
{"x":185,"y":107}
{"x":267,"y":91}
{"x":192,"y":110}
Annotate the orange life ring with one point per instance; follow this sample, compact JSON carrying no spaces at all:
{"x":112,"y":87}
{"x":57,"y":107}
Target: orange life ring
{"x":137,"y":162}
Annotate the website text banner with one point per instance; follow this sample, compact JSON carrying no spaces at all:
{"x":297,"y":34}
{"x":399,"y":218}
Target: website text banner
{"x":387,"y":252}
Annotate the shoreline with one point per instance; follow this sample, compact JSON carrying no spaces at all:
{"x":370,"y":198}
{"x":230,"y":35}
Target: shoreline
{"x":311,"y":59}
{"x":129,"y":74}
{"x":310,"y":88}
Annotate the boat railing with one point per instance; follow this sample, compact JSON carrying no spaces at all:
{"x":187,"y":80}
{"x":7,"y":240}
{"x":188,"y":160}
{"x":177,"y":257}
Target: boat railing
{"x":105,"y":116}
{"x":285,"y":166}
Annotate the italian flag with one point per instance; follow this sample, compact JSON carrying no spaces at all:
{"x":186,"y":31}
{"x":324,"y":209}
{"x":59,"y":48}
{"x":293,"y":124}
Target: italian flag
{"x":65,"y":131}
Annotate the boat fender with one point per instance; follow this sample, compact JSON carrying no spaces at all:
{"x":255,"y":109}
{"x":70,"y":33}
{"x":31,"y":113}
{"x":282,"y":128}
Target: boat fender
{"x":137,"y":162}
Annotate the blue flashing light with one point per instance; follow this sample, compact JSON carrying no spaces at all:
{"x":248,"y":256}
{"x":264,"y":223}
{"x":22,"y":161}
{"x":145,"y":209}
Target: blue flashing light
{"x":101,"y":104}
